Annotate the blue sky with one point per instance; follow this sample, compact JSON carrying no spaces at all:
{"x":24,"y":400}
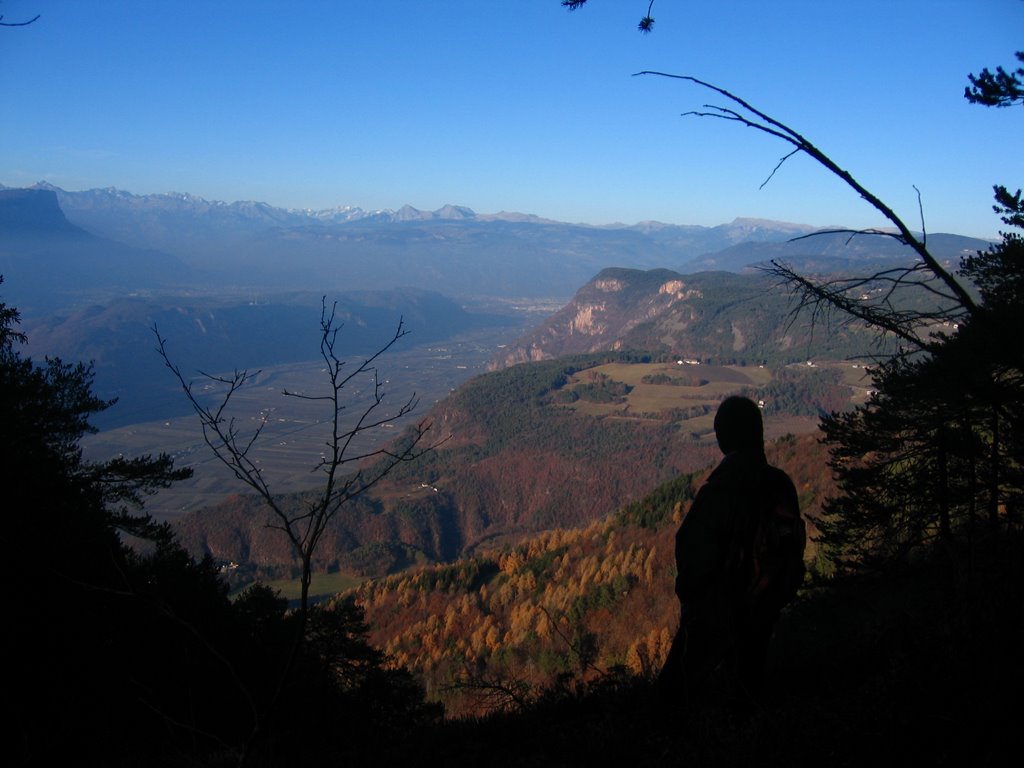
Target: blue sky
{"x":515,"y":105}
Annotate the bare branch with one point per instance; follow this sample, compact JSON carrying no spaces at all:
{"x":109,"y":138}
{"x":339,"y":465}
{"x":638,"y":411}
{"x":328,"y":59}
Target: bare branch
{"x":19,"y":23}
{"x":821,"y":298}
{"x":233,"y":449}
{"x":852,"y":233}
{"x":300,"y":396}
{"x":760,"y":121}
{"x":495,"y":694}
{"x":776,"y":168}
{"x":920,"y":211}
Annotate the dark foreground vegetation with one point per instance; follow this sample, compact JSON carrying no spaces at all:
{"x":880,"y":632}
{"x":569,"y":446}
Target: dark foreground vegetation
{"x":133,"y":655}
{"x":912,"y":668}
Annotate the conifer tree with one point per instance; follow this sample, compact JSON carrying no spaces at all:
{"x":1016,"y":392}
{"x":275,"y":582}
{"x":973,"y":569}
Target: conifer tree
{"x":87,"y":614}
{"x":938,"y":451}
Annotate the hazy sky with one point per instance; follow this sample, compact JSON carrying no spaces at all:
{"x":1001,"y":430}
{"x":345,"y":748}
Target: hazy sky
{"x":515,"y":105}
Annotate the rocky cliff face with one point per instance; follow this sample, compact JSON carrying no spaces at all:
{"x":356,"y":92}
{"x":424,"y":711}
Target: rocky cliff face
{"x":710,"y":317}
{"x":25,"y":212}
{"x":604,"y":313}
{"x":48,"y":262}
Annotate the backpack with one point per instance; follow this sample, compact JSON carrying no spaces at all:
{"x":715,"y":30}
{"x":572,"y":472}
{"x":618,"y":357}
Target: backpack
{"x":765,"y":565}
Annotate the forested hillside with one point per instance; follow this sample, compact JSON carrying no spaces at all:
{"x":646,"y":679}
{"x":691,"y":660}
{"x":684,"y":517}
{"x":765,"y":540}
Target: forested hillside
{"x":497,"y":629}
{"x":554,"y":444}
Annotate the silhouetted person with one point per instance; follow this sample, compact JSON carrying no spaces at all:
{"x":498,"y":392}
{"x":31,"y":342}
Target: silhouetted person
{"x":739,"y":558}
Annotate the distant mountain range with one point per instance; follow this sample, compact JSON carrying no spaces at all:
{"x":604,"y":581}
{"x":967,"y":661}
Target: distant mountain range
{"x":453,"y":250}
{"x":826,"y":251}
{"x":91,"y":271}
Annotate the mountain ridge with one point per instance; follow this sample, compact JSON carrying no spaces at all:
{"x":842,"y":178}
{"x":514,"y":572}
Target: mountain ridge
{"x":453,"y":249}
{"x":405,"y":212}
{"x":718,"y":317}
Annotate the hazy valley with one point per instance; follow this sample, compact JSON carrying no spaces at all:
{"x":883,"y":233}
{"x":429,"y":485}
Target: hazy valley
{"x":563,"y":441}
{"x":228,"y":286}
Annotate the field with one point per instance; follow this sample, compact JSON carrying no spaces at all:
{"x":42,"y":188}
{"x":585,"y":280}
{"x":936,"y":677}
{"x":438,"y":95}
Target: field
{"x":323,"y":585}
{"x":295,"y":430}
{"x":652,"y":390}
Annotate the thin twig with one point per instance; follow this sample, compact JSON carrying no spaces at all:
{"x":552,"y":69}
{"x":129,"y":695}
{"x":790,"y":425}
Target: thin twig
{"x":760,"y":121}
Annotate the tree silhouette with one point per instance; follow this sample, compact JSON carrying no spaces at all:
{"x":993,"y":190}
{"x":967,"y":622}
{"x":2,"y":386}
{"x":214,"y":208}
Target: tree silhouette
{"x":87,"y":614}
{"x":646,"y":21}
{"x":951,"y":299}
{"x":331,"y":640}
{"x":235,"y":449}
{"x":938,"y":449}
{"x":999,"y":89}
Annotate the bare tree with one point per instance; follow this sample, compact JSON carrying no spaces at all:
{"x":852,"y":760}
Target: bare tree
{"x":847,"y":298}
{"x":18,"y":23}
{"x":494,"y":694}
{"x":233,"y":447}
{"x":348,"y":468}
{"x":952,"y":301}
